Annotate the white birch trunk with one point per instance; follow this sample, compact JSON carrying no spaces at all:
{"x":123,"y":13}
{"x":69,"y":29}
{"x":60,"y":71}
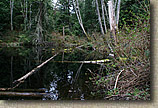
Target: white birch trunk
{"x":99,"y":18}
{"x":112,"y":20}
{"x":118,"y":12}
{"x":106,"y":13}
{"x":110,"y":14}
{"x":103,"y":16}
{"x":77,"y":10}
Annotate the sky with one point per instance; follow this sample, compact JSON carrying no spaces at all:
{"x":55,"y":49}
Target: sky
{"x":54,"y":1}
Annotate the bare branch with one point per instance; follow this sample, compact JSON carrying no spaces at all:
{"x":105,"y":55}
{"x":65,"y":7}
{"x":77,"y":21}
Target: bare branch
{"x":117,"y":79}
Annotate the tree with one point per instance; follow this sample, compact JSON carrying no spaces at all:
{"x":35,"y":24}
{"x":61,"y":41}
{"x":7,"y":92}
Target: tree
{"x":89,"y":15}
{"x":4,"y":16}
{"x":99,"y":18}
{"x":103,"y":15}
{"x":77,"y":10}
{"x":11,"y":13}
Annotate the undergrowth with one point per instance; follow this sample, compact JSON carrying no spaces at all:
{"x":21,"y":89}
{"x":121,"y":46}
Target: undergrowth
{"x":132,"y":57}
{"x":130,"y":64}
{"x":127,"y":76}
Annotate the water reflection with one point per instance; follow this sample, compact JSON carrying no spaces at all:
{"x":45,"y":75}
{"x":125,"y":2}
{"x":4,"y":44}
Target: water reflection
{"x":52,"y":92}
{"x":62,"y":81}
{"x":70,"y":76}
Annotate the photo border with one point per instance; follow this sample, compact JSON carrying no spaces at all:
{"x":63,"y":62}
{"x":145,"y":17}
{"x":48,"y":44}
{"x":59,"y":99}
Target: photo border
{"x":153,"y":103}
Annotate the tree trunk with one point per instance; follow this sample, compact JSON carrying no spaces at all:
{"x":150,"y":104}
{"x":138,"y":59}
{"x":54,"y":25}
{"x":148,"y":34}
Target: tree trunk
{"x":77,"y":10}
{"x":105,"y":11}
{"x":30,"y":19}
{"x":63,"y":32}
{"x":112,"y":21}
{"x":11,"y":13}
{"x":22,"y":9}
{"x":11,"y":72}
{"x":39,"y":28}
{"x":26,"y":14}
{"x":103,"y":16}
{"x":118,"y":12}
{"x":99,"y":18}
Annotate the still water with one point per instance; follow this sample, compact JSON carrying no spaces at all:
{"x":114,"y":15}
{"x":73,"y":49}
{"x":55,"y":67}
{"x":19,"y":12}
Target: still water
{"x":60,"y":81}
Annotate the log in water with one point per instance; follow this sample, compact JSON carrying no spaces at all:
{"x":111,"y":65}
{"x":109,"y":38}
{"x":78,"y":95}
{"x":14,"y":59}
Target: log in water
{"x":23,"y":90}
{"x":20,"y":94}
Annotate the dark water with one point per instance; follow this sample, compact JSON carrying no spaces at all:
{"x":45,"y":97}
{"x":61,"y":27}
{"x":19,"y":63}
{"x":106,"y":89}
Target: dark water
{"x":61,"y":81}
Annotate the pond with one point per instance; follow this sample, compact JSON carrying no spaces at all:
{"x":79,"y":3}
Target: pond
{"x":56,"y":80}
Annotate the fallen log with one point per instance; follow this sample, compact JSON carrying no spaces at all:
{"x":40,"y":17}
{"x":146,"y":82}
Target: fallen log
{"x":23,"y":90}
{"x":19,"y":94}
{"x":22,"y":79}
{"x":91,"y":61}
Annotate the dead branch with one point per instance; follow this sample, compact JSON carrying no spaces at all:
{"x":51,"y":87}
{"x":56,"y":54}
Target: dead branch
{"x":117,"y":79}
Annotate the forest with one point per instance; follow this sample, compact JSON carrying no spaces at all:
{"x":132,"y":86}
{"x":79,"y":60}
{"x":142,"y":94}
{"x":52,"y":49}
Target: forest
{"x":75,"y":49}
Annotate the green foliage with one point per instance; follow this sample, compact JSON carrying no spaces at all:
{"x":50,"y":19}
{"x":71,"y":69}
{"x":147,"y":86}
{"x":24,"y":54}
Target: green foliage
{"x":139,"y":94}
{"x":4,"y":15}
{"x":134,"y":12}
{"x":24,"y":38}
{"x":89,"y":15}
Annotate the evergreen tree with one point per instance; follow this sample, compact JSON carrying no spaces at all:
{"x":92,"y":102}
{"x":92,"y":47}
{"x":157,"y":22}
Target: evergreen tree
{"x":89,"y":15}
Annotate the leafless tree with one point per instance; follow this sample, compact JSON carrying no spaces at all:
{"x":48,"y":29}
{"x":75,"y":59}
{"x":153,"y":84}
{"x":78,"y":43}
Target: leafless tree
{"x":118,"y":12}
{"x":99,"y":18}
{"x":114,"y":17}
{"x":103,"y":15}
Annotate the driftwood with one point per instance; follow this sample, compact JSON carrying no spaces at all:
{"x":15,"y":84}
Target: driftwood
{"x":21,"y":80}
